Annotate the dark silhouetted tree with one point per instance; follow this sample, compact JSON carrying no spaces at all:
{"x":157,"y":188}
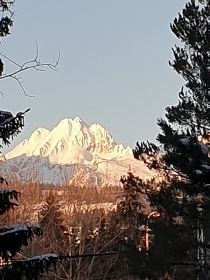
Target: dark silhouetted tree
{"x":182,"y":156}
{"x":14,"y":237}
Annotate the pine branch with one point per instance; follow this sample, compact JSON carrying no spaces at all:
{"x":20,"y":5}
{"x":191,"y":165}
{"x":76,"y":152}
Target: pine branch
{"x":10,"y":126}
{"x":12,"y":238}
{"x":8,"y":199}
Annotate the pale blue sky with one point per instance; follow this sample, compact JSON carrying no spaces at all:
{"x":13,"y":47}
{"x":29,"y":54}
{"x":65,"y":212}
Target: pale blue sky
{"x":113,"y":68}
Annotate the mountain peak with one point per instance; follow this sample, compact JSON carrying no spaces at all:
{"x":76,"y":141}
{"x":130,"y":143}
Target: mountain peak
{"x":103,"y":140}
{"x":77,"y":120}
{"x":29,"y":146}
{"x":71,"y":124}
{"x":72,"y":140}
{"x":71,"y":145}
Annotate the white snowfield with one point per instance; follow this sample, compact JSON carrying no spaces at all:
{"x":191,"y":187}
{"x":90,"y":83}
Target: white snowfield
{"x":71,"y":152}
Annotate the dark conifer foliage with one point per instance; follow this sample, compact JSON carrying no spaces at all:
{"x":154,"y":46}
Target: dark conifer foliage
{"x":14,"y":237}
{"x":6,"y":21}
{"x":182,"y":157}
{"x":8,"y":198}
{"x":55,"y":231}
{"x":20,"y":268}
{"x":135,"y":197}
{"x":184,"y":133}
{"x":163,"y":218}
{"x":11,"y":125}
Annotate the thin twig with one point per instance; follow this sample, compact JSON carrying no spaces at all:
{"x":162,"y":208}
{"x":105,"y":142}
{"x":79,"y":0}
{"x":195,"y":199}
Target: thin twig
{"x":33,"y":64}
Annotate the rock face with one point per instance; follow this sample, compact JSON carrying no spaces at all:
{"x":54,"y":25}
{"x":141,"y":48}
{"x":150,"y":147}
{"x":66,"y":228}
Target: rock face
{"x":56,"y":156}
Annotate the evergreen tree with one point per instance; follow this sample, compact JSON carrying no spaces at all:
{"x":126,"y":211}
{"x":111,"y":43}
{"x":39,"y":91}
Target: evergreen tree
{"x":183,"y":154}
{"x":14,"y":237}
{"x":150,"y":238}
{"x":54,"y":239}
{"x":52,"y":221}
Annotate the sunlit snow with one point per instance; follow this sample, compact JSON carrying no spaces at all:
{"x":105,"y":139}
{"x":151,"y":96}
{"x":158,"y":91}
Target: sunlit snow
{"x":56,"y":156}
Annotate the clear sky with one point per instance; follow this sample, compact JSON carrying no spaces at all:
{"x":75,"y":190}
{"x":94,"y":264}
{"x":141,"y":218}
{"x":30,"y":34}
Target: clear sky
{"x":113,"y":68}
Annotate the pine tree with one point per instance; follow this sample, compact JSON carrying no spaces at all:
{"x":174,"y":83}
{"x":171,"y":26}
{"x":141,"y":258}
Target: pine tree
{"x":52,"y":221}
{"x":130,"y":217}
{"x":183,"y":154}
{"x":14,"y":237}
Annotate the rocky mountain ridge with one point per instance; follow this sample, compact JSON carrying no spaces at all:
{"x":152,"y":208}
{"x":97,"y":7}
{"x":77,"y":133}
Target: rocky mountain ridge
{"x":71,"y":148}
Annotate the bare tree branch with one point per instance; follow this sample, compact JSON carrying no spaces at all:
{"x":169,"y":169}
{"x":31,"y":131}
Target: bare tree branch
{"x":33,"y":64}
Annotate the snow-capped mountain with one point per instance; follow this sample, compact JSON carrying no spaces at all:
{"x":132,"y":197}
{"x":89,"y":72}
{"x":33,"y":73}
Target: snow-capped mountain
{"x":69,"y":142}
{"x":59,"y":155}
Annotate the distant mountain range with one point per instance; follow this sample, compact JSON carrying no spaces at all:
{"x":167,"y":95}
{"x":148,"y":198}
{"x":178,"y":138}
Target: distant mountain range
{"x":71,"y":152}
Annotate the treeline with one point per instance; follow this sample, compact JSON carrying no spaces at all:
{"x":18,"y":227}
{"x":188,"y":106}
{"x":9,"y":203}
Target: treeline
{"x":120,"y":242}
{"x":70,"y":193}
{"x":84,"y":221}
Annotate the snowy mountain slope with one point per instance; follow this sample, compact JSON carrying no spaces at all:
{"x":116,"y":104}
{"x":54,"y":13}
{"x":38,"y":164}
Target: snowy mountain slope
{"x":70,"y":141}
{"x":29,"y":146}
{"x":56,"y":156}
{"x":36,"y":169}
